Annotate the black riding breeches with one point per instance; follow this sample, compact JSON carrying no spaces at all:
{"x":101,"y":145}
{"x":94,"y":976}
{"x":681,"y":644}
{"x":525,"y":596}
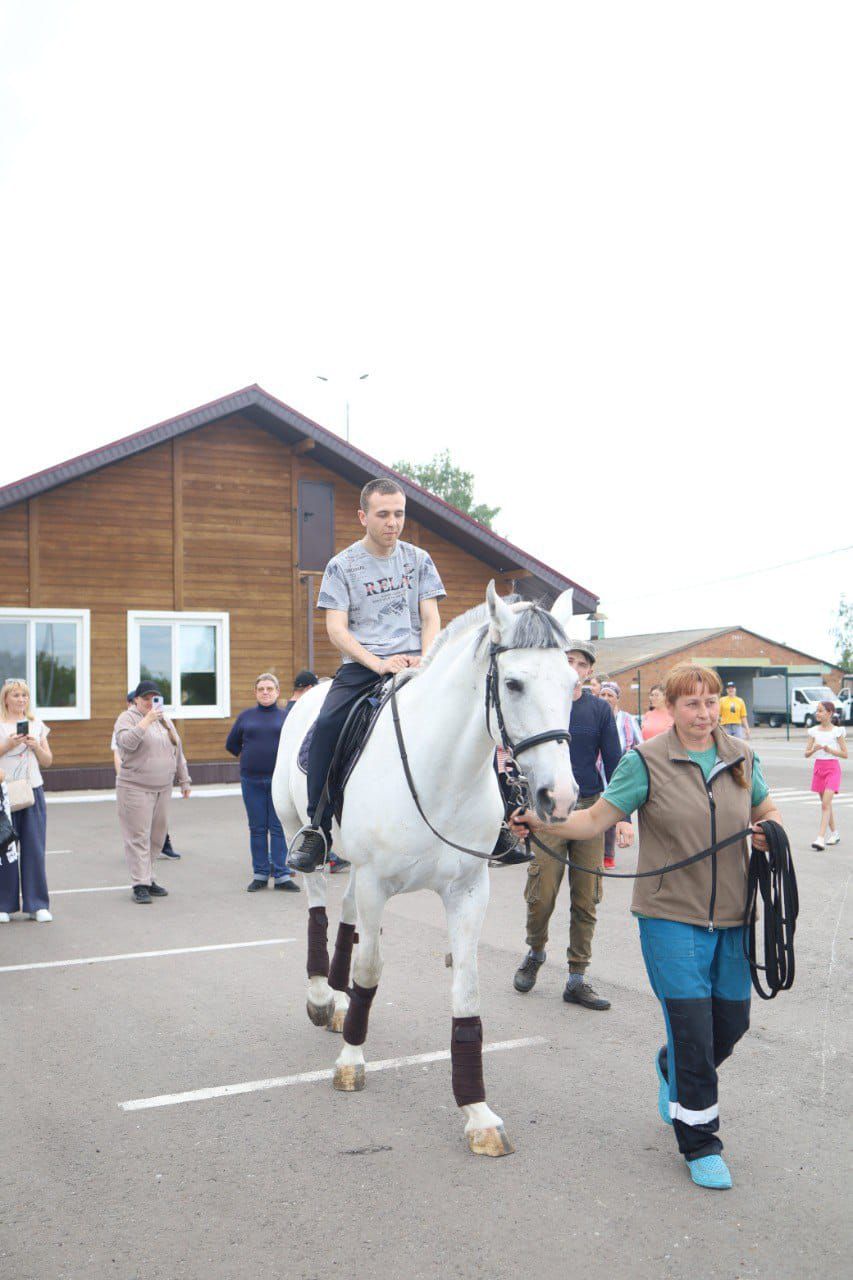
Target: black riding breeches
{"x":350,"y":682}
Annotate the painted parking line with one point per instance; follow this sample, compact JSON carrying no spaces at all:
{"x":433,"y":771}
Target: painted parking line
{"x":311,"y":1077}
{"x":50,"y":851}
{"x":101,"y":888}
{"x":108,"y":797}
{"x":144,"y":955}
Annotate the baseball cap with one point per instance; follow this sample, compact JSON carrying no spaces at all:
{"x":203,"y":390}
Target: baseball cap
{"x":145,"y":686}
{"x":305,"y":680}
{"x":582,"y":646}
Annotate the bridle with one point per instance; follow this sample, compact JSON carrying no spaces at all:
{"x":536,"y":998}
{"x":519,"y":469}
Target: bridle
{"x":493,"y":700}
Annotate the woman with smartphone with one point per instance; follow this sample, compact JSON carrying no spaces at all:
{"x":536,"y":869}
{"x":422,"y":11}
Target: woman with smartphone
{"x":24,"y":753}
{"x":151,"y":755}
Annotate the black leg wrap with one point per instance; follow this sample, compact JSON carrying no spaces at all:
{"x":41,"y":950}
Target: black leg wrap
{"x":339,"y":972}
{"x":318,"y":949}
{"x":466,"y":1057}
{"x":355,"y":1023}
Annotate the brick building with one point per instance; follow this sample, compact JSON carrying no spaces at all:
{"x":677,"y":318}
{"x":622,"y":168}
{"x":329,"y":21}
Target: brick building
{"x":734,"y":652}
{"x":191,"y":553}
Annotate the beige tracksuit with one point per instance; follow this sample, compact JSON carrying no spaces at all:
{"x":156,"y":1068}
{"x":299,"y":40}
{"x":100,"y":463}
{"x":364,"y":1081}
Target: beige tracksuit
{"x":150,"y":758}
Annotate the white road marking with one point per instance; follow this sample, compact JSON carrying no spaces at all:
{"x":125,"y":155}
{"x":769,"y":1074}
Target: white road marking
{"x":823,"y":1046}
{"x":311,"y":1077}
{"x":50,"y":851}
{"x":106,"y":797}
{"x":144,"y":955}
{"x":103,"y":888}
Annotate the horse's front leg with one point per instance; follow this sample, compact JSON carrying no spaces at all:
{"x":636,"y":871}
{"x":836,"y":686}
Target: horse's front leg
{"x":370,"y":901}
{"x":466,"y":911}
{"x":321,"y":997}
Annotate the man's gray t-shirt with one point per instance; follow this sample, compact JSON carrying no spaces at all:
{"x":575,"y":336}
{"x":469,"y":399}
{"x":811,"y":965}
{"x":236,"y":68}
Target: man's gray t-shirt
{"x":381,"y":596}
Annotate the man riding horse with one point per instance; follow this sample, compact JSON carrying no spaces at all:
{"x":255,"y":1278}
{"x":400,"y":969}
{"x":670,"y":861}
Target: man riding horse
{"x":381,"y":601}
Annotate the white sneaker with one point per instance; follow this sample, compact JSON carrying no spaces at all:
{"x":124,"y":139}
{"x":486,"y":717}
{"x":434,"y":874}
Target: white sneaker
{"x":833,"y":838}
{"x":41,"y":916}
{"x":5,"y":918}
{"x":819,"y":843}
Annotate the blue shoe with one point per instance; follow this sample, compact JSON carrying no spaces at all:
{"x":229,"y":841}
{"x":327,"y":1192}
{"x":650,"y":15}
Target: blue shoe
{"x":710,"y":1171}
{"x":663,"y":1092}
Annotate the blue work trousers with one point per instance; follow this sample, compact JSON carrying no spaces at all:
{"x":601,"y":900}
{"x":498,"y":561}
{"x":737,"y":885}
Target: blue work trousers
{"x":26,"y":878}
{"x":702,"y":981}
{"x":266,"y":837}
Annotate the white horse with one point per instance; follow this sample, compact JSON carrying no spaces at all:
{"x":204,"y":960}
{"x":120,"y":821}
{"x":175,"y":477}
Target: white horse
{"x":451,"y":749}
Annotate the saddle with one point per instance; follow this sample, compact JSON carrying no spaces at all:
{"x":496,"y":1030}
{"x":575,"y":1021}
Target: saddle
{"x":354,"y":737}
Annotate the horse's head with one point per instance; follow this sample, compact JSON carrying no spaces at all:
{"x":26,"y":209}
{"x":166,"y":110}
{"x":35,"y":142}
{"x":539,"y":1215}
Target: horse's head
{"x":534,"y":686}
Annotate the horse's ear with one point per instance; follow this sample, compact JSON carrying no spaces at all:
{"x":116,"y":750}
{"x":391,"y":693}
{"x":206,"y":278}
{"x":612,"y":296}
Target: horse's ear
{"x":563,"y":609}
{"x":501,"y":617}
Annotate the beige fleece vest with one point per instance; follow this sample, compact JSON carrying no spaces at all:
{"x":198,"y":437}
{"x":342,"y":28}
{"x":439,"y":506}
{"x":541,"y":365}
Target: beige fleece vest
{"x":684,"y":814}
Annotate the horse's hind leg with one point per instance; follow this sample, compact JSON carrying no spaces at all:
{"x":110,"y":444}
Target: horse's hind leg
{"x":466,"y":911}
{"x":339,"y":971}
{"x":370,"y":899}
{"x":321,"y":997}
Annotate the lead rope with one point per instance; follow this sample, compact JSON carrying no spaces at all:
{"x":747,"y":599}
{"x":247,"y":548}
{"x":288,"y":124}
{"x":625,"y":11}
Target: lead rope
{"x":772,"y":875}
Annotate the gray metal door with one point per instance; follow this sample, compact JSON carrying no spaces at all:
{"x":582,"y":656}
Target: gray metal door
{"x":316,"y":524}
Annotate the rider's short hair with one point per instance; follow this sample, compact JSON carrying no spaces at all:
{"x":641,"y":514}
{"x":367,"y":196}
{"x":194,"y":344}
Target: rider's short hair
{"x":382,"y":484}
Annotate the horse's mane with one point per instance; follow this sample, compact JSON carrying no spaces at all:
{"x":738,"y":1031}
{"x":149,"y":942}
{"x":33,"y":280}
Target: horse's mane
{"x":535,"y":628}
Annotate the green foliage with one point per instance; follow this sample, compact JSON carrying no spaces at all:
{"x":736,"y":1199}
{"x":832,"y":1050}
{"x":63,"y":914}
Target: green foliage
{"x":842,"y":634}
{"x":453,"y":484}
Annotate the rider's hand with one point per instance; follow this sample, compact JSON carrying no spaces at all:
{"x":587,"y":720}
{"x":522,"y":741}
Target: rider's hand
{"x":624,"y":834}
{"x":391,"y":666}
{"x":414,"y":660}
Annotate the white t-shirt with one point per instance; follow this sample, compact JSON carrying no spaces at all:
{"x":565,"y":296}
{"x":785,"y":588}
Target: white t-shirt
{"x":21,"y":762}
{"x":826,"y":737}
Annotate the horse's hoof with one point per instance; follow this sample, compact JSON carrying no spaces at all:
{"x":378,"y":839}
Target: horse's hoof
{"x":490,"y":1142}
{"x":336,"y":1022}
{"x":320,"y":1014}
{"x":349,"y":1079}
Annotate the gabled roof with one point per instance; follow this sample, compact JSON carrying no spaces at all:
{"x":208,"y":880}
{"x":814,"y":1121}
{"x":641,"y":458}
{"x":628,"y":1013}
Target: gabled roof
{"x":263,"y":409}
{"x":621,"y":652}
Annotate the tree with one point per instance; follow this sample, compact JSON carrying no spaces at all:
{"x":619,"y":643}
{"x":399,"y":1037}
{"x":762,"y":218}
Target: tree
{"x":842,"y":634}
{"x":453,"y":484}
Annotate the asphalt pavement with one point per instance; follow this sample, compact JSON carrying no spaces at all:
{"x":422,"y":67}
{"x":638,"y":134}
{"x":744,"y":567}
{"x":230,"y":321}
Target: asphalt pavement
{"x":116,"y":1004}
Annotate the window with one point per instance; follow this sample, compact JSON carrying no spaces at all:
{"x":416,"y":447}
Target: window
{"x":187,"y":656}
{"x":49,"y":648}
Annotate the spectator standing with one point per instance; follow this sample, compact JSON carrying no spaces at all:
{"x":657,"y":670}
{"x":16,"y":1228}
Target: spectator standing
{"x":827,"y":742}
{"x":151,"y":755}
{"x":167,"y":851}
{"x":611,"y":693}
{"x":657,"y":719}
{"x":593,"y":731}
{"x":733,"y":715}
{"x":24,"y":755}
{"x":690,"y":786}
{"x":254,"y":739}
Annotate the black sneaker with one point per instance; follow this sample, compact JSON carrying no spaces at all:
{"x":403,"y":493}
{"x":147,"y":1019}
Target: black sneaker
{"x":582,"y":993}
{"x":289,"y":886}
{"x":256,"y":885}
{"x":141,"y":893}
{"x":167,"y":851}
{"x":525,"y":977}
{"x":337,"y":864}
{"x":157,"y":890}
{"x":508,"y":852}
{"x":309,"y":853}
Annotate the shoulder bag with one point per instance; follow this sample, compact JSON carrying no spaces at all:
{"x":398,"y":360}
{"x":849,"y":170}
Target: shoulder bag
{"x":20,"y":791}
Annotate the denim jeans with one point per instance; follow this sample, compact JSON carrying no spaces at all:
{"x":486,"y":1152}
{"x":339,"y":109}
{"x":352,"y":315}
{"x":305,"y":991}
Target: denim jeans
{"x":266,"y":837}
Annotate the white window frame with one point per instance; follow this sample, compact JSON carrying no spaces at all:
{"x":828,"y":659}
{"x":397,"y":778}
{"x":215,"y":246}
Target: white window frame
{"x":221,"y":621}
{"x":84,"y":693}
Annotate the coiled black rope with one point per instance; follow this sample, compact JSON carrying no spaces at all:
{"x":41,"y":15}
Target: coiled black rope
{"x":771,"y":875}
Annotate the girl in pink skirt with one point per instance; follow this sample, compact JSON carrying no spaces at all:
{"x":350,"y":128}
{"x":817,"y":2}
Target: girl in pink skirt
{"x":827,"y":743}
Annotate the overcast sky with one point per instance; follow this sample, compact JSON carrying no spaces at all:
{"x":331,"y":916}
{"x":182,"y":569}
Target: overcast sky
{"x":601,"y":252}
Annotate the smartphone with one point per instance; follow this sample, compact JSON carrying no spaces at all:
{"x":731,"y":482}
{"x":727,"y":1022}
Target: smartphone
{"x":23,"y":726}
{"x":157,"y":702}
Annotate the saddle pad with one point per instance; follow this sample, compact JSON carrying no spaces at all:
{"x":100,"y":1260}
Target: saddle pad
{"x":302,"y":758}
{"x":351,"y":743}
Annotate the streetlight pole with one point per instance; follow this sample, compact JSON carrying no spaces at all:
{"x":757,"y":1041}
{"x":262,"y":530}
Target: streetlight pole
{"x":321,"y":377}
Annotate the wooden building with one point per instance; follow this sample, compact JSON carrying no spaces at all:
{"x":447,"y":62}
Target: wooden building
{"x":735,"y":653}
{"x":191,"y":552}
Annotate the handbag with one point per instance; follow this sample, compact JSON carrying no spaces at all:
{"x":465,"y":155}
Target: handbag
{"x":20,"y":790}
